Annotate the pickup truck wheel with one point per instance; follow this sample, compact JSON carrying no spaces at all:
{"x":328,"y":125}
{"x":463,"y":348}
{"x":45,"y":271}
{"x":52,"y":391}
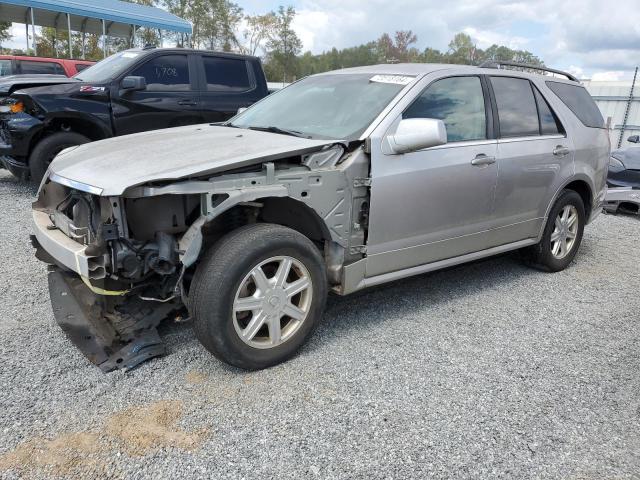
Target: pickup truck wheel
{"x":562,"y":234}
{"x":257,"y":295}
{"x":46,"y":150}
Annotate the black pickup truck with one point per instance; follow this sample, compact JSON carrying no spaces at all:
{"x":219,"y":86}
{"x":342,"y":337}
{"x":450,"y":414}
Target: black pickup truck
{"x":132,"y":91}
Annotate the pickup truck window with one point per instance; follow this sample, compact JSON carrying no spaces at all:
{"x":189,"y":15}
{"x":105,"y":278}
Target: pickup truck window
{"x":338,"y":106}
{"x":109,"y":68}
{"x":28,"y":67}
{"x":226,"y":74}
{"x":458,"y":102}
{"x":165,"y":73}
{"x":5,"y":68}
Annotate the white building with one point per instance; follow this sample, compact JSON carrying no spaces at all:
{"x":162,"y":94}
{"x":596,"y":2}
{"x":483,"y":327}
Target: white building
{"x":615,"y":101}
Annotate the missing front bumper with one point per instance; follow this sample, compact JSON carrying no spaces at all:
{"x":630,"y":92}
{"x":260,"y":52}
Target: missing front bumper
{"x":111,"y":336}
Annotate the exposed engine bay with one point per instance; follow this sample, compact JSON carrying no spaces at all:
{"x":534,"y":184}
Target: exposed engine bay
{"x":133,"y":256}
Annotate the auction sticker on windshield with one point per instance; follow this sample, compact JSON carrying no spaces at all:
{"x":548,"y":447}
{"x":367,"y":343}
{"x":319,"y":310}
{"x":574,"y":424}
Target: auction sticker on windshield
{"x":397,"y":79}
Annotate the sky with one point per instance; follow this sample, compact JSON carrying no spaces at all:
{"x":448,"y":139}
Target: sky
{"x":590,"y":38}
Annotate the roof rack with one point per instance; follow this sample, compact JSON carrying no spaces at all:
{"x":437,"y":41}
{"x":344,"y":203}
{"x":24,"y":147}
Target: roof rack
{"x":498,"y":63}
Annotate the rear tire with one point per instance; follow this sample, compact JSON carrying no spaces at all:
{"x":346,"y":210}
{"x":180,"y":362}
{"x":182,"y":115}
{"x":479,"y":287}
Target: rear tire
{"x":46,"y":150}
{"x":243,"y":289}
{"x":562,"y":235}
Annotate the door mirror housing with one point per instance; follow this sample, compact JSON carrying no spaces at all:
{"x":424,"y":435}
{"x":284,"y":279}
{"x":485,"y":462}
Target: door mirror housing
{"x":634,"y":139}
{"x":417,"y":133}
{"x":132,"y":83}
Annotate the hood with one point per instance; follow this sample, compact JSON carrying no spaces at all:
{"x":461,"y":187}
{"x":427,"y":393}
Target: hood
{"x":630,"y":157}
{"x":15,"y":82}
{"x":118,"y":163}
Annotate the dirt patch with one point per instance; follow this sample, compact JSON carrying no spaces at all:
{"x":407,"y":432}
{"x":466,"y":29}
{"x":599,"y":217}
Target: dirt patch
{"x":64,"y":454}
{"x":135,"y":430}
{"x":195,"y":378}
{"x":141,"y":430}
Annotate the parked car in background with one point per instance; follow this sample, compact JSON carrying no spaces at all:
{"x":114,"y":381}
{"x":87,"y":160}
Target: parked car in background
{"x":624,"y":179}
{"x":132,"y":91}
{"x":26,"y":65}
{"x":341,"y":181}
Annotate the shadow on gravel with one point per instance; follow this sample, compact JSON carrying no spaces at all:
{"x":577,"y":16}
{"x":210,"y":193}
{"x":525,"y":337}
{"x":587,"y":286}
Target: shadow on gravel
{"x":394,"y":300}
{"x":401,"y":298}
{"x":17,"y":185}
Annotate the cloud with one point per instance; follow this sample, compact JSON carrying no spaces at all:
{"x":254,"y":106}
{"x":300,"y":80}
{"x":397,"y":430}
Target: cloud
{"x":590,"y":34}
{"x":608,"y":76}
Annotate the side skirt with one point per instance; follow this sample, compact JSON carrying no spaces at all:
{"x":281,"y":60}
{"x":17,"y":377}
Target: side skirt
{"x":354,"y":279}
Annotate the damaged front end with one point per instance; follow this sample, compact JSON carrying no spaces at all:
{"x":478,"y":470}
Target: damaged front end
{"x":108,"y":291}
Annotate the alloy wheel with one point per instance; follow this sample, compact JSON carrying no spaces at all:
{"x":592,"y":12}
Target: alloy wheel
{"x":272,"y":302}
{"x":563,"y":237}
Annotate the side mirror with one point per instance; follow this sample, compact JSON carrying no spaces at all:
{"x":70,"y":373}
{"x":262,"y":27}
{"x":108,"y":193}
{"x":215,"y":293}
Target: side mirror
{"x":417,"y":133}
{"x":133,"y":83}
{"x":634,"y":139}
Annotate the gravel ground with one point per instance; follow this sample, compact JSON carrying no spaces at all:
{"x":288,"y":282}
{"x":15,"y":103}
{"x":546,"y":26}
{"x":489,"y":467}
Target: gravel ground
{"x":486,"y":370}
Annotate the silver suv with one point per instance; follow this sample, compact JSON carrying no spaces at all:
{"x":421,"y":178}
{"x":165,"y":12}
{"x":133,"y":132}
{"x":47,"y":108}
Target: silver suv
{"x":338,"y":182}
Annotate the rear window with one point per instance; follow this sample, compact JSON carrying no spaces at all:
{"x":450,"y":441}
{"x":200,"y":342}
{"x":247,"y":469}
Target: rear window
{"x":28,"y":67}
{"x":226,"y":74}
{"x":5,"y":68}
{"x":578,"y":100}
{"x":81,"y":66}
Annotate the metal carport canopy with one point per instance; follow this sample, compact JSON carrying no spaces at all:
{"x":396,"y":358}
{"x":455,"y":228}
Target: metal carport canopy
{"x":87,"y":16}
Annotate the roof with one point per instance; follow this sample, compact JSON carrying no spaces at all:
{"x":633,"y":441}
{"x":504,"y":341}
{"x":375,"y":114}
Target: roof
{"x":418,"y":69}
{"x":87,"y":15}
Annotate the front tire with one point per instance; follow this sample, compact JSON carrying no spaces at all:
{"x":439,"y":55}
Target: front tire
{"x":562,"y":234}
{"x":46,"y":150}
{"x":257,"y":295}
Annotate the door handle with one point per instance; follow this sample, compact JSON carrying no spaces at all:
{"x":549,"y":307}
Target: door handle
{"x":561,"y":151}
{"x":482,"y":160}
{"x":190,"y":103}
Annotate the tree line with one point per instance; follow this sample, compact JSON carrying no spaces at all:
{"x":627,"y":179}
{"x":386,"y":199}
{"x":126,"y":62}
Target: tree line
{"x":222,"y":25}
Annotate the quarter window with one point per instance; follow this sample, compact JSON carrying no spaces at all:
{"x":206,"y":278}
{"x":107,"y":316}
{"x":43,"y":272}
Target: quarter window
{"x":458,"y":102}
{"x":165,"y":73}
{"x":517,"y":112}
{"x":578,"y":100}
{"x":226,"y":74}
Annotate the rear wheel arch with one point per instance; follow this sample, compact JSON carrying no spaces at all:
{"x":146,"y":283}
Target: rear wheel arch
{"x":582,"y":187}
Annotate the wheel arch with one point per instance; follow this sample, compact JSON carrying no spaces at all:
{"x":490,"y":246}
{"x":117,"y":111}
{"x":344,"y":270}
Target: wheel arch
{"x":582,"y":186}
{"x":252,"y":207}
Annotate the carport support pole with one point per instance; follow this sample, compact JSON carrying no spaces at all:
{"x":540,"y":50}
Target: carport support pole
{"x":69,"y":29}
{"x":33,"y":30}
{"x":104,"y":40}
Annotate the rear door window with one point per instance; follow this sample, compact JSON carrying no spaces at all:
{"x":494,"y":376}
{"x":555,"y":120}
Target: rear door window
{"x":226,"y":74}
{"x":549,"y":122}
{"x":578,"y":100}
{"x":166,"y":73}
{"x":517,"y":112}
{"x":28,"y":67}
{"x":458,"y":102}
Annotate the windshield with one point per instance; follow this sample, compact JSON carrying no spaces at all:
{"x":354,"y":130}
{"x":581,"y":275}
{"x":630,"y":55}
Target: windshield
{"x":109,"y":68}
{"x":338,"y":106}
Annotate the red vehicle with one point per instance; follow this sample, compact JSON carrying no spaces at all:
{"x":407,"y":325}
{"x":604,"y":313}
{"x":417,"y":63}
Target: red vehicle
{"x":23,"y":65}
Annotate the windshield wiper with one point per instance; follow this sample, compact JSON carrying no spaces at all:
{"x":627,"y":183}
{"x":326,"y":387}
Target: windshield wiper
{"x":283,"y":131}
